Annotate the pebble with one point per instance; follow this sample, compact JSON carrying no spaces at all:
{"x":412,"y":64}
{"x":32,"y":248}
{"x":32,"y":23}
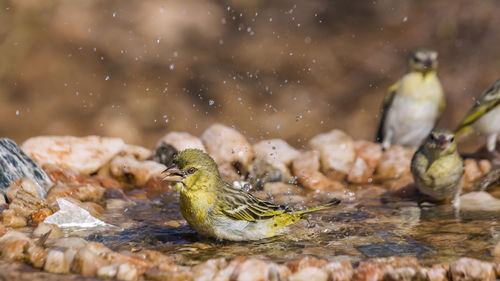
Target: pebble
{"x":336,"y":150}
{"x":275,"y":151}
{"x":75,"y":243}
{"x":309,"y":273}
{"x":24,"y":184}
{"x":56,"y":262}
{"x":208,"y":270}
{"x":339,"y":271}
{"x":394,"y":162}
{"x":250,"y":269}
{"x":36,"y":256}
{"x":108,"y":271}
{"x":165,"y":154}
{"x":306,"y":169}
{"x":176,"y":273}
{"x":370,"y":152}
{"x":479,"y":201}
{"x":438,"y":272}
{"x":360,"y":172}
{"x":87,"y":263}
{"x":471,"y":269}
{"x":496,"y":250}
{"x":15,"y":165}
{"x":261,"y":171}
{"x":81,"y":192}
{"x":127,"y":272}
{"x":39,"y":216}
{"x":126,"y":166}
{"x":11,"y":219}
{"x":25,"y":203}
{"x":73,"y":215}
{"x":14,"y":245}
{"x":227,"y":145}
{"x":375,"y":269}
{"x":82,"y":154}
{"x":304,"y":262}
{"x":44,"y":228}
{"x":140,"y":153}
{"x":474,"y":171}
{"x":180,"y":141}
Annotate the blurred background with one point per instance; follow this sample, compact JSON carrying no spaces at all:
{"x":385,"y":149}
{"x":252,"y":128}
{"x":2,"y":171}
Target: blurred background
{"x":287,"y":69}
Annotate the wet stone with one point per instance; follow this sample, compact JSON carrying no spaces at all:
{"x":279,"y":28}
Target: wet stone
{"x":73,"y":215}
{"x":15,"y":165}
{"x":36,"y":256}
{"x":127,"y":272}
{"x":87,"y":263}
{"x":180,"y":141}
{"x":108,"y":271}
{"x":339,"y":271}
{"x":208,"y":270}
{"x":438,"y":272}
{"x":140,"y":171}
{"x":56,"y":262}
{"x":43,"y":228}
{"x":14,"y":245}
{"x":471,"y":269}
{"x":336,"y":150}
{"x":479,"y":201}
{"x":11,"y":219}
{"x":395,"y":162}
{"x":165,"y":154}
{"x":275,"y":151}
{"x":309,"y":273}
{"x":261,"y":172}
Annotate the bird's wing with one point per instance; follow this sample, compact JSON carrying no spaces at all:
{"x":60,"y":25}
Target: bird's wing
{"x":389,"y":97}
{"x":488,"y":100}
{"x":240,"y":205}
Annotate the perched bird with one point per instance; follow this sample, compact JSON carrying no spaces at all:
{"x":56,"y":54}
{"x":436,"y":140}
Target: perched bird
{"x":437,"y":167}
{"x":216,"y":209}
{"x":412,"y":105}
{"x":484,"y":117}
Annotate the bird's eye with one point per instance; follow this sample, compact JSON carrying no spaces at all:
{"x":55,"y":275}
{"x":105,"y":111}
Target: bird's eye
{"x":191,"y":170}
{"x":452,"y":139}
{"x":431,"y":137}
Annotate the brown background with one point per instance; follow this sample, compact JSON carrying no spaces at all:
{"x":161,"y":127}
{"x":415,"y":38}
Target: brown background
{"x":288,"y":69}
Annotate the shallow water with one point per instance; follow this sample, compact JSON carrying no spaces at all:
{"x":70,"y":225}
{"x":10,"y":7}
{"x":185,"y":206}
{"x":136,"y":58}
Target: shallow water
{"x":357,"y":229}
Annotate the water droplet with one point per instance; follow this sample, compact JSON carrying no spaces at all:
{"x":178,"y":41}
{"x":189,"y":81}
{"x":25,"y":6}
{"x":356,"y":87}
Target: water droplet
{"x":405,"y":19}
{"x":158,"y":40}
{"x":270,"y":19}
{"x":107,"y":78}
{"x":211,"y":102}
{"x":171,"y":67}
{"x":114,"y":14}
{"x":18,"y":112}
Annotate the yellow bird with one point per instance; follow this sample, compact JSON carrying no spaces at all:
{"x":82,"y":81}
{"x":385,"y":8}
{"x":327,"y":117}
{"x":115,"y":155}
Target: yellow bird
{"x":412,"y":105}
{"x":437,"y":167}
{"x":216,"y":209}
{"x":484,"y":117}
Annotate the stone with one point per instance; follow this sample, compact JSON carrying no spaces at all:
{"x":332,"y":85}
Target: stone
{"x":140,"y":153}
{"x":36,"y":256}
{"x":155,"y":187}
{"x":304,"y":262}
{"x":56,"y":262}
{"x":309,"y":273}
{"x":208,"y":270}
{"x":127,"y":272}
{"x":228,"y":172}
{"x":165,"y":154}
{"x":82,"y":154}
{"x":27,"y":185}
{"x":15,"y":165}
{"x":437,"y":272}
{"x":3,"y":229}
{"x":479,"y":201}
{"x":108,"y":271}
{"x":126,"y":166}
{"x":339,"y":271}
{"x":176,"y":273}
{"x":139,"y":263}
{"x":250,"y":269}
{"x":72,"y":215}
{"x":375,"y":269}
{"x":308,"y":160}
{"x":227,"y":145}
{"x":472,"y":174}
{"x":87,"y":263}
{"x":315,"y":180}
{"x":395,"y":162}
{"x":81,"y":192}
{"x":43,"y":228}
{"x":261,"y":171}
{"x":75,"y":243}
{"x":180,"y":141}
{"x":275,"y":151}
{"x":11,"y":219}
{"x":471,"y":269}
{"x":405,"y":273}
{"x":25,"y":203}
{"x":39,"y":216}
{"x":360,"y":172}
{"x":155,"y":257}
{"x":370,"y":152}
{"x":14,"y":244}
{"x":336,"y":151}
{"x":98,"y":248}
{"x":496,"y":250}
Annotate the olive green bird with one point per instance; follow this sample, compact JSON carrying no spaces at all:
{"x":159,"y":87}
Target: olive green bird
{"x":437,"y":167}
{"x":216,"y":209}
{"x":484,"y":117}
{"x":412,"y":105}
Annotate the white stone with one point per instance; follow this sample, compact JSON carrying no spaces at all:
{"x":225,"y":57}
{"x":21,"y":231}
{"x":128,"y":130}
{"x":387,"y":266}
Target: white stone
{"x":336,"y":150}
{"x":479,"y":201}
{"x":142,"y":171}
{"x":72,"y":215}
{"x":181,"y":141}
{"x":275,"y":150}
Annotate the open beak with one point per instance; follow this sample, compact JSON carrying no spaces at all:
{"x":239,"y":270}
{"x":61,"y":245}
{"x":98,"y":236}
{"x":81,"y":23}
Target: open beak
{"x":173,"y":174}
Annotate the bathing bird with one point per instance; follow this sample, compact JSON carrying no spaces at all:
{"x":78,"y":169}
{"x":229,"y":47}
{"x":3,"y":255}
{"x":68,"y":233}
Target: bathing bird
{"x":484,"y":117}
{"x":438,"y":168}
{"x":216,"y":209}
{"x":412,"y":105}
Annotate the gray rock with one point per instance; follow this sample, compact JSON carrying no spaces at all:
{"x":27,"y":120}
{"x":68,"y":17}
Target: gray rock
{"x":15,"y":164}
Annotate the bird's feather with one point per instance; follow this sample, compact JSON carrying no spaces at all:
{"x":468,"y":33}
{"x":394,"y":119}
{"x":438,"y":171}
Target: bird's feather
{"x":386,"y":105}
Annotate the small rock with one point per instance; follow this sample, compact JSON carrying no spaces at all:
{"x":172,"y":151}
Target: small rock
{"x":75,"y":243}
{"x":375,"y":269}
{"x":56,"y":262}
{"x":405,"y":273}
{"x":471,"y":269}
{"x":15,"y":165}
{"x":11,"y":219}
{"x":127,"y":272}
{"x":250,"y":269}
{"x":438,"y":272}
{"x":315,"y":180}
{"x":339,"y":271}
{"x":176,"y":273}
{"x":82,"y":154}
{"x":227,"y":145}
{"x":87,"y":263}
{"x":208,"y":270}
{"x":14,"y":245}
{"x":304,"y":262}
{"x":180,"y":141}
{"x":39,"y":216}
{"x":126,"y":166}
{"x":36,"y":256}
{"x":139,"y":263}
{"x":496,"y":250}
{"x":109,"y":271}
{"x":472,"y":173}
{"x":98,"y":248}
{"x":156,"y":186}
{"x":485,"y":166}
{"x":3,"y":229}
{"x":155,"y":257}
{"x":275,"y":151}
{"x":360,"y":172}
{"x":72,"y":215}
{"x":165,"y":154}
{"x":25,"y":203}
{"x":336,"y":151}
{"x":140,"y":153}
{"x":63,"y":175}
{"x":309,"y":273}
{"x":81,"y":192}
{"x":262,"y":171}
{"x":370,"y":152}
{"x":395,"y":162}
{"x":228,"y":172}
{"x":479,"y":201}
{"x":306,"y":161}
{"x":44,"y":228}
{"x":27,"y":185}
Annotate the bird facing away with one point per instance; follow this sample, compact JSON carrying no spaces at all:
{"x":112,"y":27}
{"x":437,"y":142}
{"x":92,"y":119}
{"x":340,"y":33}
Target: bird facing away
{"x":412,"y":105}
{"x":484,"y":117}
{"x":437,"y":167}
{"x":215,"y":209}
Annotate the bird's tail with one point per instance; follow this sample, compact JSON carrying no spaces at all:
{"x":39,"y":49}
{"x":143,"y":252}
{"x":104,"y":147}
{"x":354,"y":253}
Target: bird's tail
{"x":330,"y":204}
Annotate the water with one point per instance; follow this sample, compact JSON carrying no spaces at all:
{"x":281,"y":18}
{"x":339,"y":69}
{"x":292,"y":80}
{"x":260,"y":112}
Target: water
{"x":358,"y":229}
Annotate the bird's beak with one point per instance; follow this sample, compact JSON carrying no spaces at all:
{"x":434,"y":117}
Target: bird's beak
{"x":441,"y":141}
{"x":173,"y":174}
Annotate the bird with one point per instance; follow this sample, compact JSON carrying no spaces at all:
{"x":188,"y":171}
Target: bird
{"x":216,"y":209}
{"x":413,"y":104}
{"x":484,"y":117}
{"x":438,"y":168}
